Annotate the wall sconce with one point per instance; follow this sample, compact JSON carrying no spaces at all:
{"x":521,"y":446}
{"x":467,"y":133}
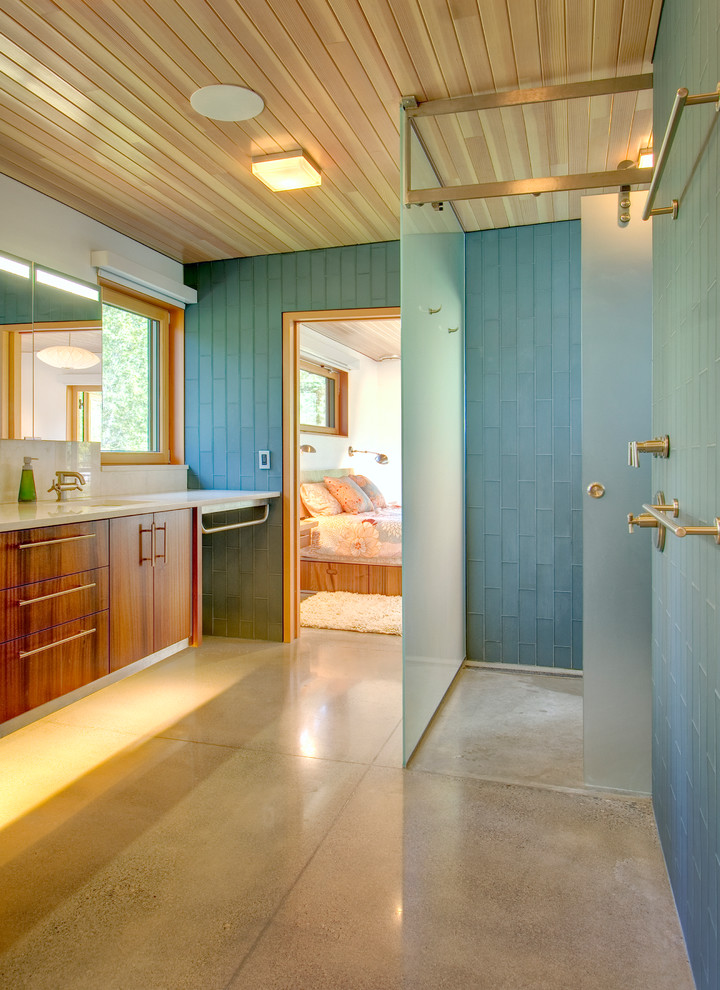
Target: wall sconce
{"x":380,"y":458}
{"x":624,"y":205}
{"x":307,"y":448}
{"x":288,"y":170}
{"x":646,"y":158}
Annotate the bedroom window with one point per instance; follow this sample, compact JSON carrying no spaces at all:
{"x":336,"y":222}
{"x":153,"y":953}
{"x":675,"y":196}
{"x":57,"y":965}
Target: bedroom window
{"x":323,"y":399}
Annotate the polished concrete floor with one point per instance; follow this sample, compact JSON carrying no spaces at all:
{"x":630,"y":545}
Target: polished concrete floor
{"x":237,"y":817}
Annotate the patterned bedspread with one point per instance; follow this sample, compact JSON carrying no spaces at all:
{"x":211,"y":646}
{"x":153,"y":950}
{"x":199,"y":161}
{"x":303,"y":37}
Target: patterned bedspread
{"x":368,"y":538}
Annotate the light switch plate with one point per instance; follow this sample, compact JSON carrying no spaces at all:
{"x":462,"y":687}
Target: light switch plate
{"x":264,"y":460}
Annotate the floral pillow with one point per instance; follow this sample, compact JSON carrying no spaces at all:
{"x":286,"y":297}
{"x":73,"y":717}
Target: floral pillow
{"x":371,"y":490}
{"x":350,"y":495}
{"x":318,"y":500}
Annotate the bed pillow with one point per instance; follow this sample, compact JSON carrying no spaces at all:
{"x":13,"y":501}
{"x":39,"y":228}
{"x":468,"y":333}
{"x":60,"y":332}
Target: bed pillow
{"x":350,"y":495}
{"x":318,"y":500}
{"x":371,"y":490}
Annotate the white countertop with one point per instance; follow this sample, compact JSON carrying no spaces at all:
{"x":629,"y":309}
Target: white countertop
{"x":30,"y":515}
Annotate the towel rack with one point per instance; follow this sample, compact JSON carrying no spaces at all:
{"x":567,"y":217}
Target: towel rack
{"x":681,"y":528}
{"x":682,"y":100}
{"x":238,"y":525}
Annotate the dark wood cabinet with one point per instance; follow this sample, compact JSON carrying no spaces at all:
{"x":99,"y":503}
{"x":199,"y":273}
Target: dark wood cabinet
{"x":53,"y":612}
{"x":150,"y":584}
{"x":30,"y":555}
{"x":48,"y":664}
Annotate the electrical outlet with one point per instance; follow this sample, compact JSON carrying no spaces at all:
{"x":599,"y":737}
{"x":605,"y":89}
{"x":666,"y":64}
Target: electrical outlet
{"x":264,"y":460}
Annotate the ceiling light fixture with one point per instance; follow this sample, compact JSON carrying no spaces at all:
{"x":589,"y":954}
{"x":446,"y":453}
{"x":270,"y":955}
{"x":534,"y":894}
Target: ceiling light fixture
{"x":288,"y":170}
{"x":66,"y":284}
{"x":14,"y":267}
{"x":67,"y":357}
{"x":227,"y":102}
{"x":646,"y":158}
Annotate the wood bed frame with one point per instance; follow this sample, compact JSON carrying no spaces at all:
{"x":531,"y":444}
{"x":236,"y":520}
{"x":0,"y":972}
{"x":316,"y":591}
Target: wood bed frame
{"x":333,"y":575}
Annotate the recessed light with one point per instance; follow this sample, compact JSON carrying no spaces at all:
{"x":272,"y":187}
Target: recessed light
{"x":288,"y":170}
{"x":227,"y":102}
{"x":646,"y":158}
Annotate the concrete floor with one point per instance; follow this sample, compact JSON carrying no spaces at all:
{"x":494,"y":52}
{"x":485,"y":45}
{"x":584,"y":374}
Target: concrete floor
{"x":237,"y":817}
{"x":509,"y":726}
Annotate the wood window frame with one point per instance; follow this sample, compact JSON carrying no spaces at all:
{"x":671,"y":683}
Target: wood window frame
{"x":171,"y":375}
{"x":340,"y":398}
{"x":72,"y":393}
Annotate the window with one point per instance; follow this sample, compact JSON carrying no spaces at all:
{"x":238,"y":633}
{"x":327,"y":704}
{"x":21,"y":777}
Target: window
{"x":141,"y":340}
{"x":84,"y":413}
{"x":323,"y":399}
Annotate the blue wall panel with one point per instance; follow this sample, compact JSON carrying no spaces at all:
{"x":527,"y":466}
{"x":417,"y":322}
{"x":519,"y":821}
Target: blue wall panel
{"x":233,"y":403}
{"x":524,"y":498}
{"x":686,"y":405}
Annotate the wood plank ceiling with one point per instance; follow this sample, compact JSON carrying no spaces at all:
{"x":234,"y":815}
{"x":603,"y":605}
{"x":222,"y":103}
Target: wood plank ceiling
{"x":95,"y":112}
{"x":376,"y":339}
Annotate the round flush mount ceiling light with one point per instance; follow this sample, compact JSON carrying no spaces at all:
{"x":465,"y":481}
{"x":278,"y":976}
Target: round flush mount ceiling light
{"x":227,"y":102}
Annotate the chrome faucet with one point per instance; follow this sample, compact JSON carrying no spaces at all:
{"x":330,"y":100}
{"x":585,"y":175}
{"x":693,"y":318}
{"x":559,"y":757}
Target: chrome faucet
{"x":62,"y":486}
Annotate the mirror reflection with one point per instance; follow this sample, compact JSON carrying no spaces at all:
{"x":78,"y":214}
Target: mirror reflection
{"x":62,"y":384}
{"x":77,"y":367}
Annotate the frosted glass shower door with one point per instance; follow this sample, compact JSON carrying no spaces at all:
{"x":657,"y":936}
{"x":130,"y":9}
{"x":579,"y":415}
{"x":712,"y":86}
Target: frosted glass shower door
{"x":433,"y":291}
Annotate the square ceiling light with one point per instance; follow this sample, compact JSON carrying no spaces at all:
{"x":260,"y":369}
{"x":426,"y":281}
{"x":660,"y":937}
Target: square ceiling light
{"x":646,"y":158}
{"x":288,"y":170}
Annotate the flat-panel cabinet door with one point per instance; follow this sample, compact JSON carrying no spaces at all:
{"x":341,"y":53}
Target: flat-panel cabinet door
{"x":173,"y":577}
{"x":131,"y":589}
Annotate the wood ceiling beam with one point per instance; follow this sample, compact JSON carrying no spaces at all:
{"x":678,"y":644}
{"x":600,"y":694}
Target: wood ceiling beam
{"x":543,"y":94}
{"x":523,"y":187}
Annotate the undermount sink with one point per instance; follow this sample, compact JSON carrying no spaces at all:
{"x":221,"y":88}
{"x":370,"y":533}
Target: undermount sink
{"x":106,"y":503}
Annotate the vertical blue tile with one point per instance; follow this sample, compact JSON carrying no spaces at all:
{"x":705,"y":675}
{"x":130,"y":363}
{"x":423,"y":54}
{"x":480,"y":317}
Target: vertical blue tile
{"x":523,"y":358}
{"x":233,"y":396}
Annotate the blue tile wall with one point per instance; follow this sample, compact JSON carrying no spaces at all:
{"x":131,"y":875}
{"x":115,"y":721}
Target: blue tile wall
{"x":233,"y":403}
{"x":524,"y":499}
{"x":686,"y":405}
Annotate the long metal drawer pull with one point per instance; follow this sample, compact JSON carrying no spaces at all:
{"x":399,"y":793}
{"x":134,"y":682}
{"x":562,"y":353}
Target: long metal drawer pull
{"x":56,"y":594}
{"x":58,"y":642}
{"x":63,"y":539}
{"x":160,"y":556}
{"x":151,"y":558}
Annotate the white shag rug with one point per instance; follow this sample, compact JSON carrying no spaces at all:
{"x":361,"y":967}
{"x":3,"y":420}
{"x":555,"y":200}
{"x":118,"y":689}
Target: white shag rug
{"x":348,"y":610}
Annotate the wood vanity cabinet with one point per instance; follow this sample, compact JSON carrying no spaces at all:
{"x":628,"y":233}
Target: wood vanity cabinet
{"x":150,"y":584}
{"x":53,"y":610}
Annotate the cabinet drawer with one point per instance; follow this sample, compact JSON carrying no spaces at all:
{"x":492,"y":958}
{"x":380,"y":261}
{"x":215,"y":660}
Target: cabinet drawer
{"x":326,"y":576}
{"x":31,"y":555}
{"x":50,"y":663}
{"x":32,"y":607}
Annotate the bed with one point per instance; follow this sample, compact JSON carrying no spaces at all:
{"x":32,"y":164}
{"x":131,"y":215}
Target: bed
{"x":350,"y":551}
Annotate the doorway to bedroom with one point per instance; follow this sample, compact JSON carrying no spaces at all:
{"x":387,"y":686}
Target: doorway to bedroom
{"x":342,"y":477}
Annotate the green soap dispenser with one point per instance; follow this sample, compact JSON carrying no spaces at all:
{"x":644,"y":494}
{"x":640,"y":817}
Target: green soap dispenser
{"x":27,"y":482}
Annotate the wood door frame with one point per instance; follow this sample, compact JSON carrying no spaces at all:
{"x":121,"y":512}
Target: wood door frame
{"x":291,"y":446}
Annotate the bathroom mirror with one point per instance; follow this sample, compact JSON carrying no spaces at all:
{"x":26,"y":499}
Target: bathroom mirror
{"x":51,"y":327}
{"x":16,"y":318}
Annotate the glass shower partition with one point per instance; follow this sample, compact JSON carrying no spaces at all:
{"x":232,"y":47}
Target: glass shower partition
{"x":433,"y":292}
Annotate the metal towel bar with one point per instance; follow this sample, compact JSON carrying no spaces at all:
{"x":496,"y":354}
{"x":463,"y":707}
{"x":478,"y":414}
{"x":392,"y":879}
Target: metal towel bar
{"x":682,"y":528}
{"x":682,"y":100}
{"x":238,"y":525}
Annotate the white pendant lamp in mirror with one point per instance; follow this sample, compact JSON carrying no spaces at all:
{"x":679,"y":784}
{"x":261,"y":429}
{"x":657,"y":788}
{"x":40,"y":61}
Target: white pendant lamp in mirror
{"x":68,"y":357}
